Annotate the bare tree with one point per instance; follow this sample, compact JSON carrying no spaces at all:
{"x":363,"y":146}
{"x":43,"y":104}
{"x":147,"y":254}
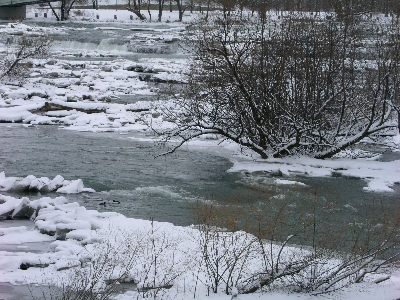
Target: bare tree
{"x":14,"y":66}
{"x":63,"y":10}
{"x":181,"y":9}
{"x":301,"y":85}
{"x":160,"y":9}
{"x":135,"y":6}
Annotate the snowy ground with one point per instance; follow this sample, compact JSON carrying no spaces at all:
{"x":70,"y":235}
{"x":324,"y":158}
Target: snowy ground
{"x":79,"y":95}
{"x":126,"y":249}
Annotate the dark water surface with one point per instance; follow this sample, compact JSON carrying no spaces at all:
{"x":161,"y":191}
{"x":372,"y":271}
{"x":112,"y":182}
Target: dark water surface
{"x":118,"y":169}
{"x":164,"y":188}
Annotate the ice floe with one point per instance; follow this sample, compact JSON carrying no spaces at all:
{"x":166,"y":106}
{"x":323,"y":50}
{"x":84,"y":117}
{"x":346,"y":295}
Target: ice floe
{"x":42,"y":184}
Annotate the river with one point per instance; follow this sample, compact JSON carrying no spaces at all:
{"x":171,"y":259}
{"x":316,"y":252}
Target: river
{"x":169,"y":188}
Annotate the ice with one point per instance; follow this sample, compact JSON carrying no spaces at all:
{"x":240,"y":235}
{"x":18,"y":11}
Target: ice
{"x":19,"y":235}
{"x":56,"y":183}
{"x":290,"y":182}
{"x":379,"y":175}
{"x":11,"y":206}
{"x":43,"y":184}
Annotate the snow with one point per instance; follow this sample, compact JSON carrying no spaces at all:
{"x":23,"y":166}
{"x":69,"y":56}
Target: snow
{"x":87,"y":233}
{"x":19,"y":235}
{"x":283,"y":181}
{"x":92,"y":235}
{"x":380,"y":176}
{"x":9,"y":204}
{"x":16,"y":114}
{"x":43,"y":184}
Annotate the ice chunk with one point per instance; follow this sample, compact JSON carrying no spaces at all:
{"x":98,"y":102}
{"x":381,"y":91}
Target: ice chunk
{"x":74,"y":187}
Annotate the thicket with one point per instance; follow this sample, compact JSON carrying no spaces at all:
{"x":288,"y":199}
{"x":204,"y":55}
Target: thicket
{"x":15,"y":65}
{"x":219,"y":256}
{"x":312,"y":85}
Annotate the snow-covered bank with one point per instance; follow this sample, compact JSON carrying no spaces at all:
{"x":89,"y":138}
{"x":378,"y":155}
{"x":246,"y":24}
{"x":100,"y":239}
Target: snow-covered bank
{"x":380,"y":176}
{"x":164,"y":257}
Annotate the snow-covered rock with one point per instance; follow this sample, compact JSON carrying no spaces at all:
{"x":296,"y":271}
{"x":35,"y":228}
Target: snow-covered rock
{"x":42,"y":184}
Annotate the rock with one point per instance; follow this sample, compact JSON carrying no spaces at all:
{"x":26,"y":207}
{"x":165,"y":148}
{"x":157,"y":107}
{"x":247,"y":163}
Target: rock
{"x":76,"y":74}
{"x":24,"y":213}
{"x":65,"y":265}
{"x":38,"y":94}
{"x":51,"y":62}
{"x":24,"y":184}
{"x":88,"y":97}
{"x":38,"y":183}
{"x":172,"y":40}
{"x":53,"y":74}
{"x":73,"y":99}
{"x":62,"y":229}
{"x":145,"y":77}
{"x":14,"y":208}
{"x":130,"y":68}
{"x":48,"y":232}
{"x":63,"y":85}
{"x":61,"y":233}
{"x":54,"y":184}
{"x":106,"y":69}
{"x":66,"y":66}
{"x":79,"y":66}
{"x":276,"y":173}
{"x":104,"y":99}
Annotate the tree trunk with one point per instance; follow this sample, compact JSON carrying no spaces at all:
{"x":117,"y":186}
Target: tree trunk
{"x":181,"y":9}
{"x":62,"y":10}
{"x":160,"y":9}
{"x":148,"y":9}
{"x":208,"y":9}
{"x":54,"y":12}
{"x":68,"y":9}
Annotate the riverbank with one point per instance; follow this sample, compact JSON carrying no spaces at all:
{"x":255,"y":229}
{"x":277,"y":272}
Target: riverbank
{"x":106,"y":96}
{"x":81,"y":240}
{"x":98,"y":86}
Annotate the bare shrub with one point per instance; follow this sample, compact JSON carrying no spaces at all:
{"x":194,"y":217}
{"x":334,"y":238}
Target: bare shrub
{"x":160,"y":262}
{"x":225,"y":257}
{"x":300,"y":248}
{"x":103,"y":267}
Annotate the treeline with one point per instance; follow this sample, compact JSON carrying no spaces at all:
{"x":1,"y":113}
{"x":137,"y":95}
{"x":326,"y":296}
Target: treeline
{"x":372,"y":6}
{"x":339,"y":6}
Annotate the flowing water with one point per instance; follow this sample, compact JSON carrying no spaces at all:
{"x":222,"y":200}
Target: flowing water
{"x":167,"y":189}
{"x":93,"y":41}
